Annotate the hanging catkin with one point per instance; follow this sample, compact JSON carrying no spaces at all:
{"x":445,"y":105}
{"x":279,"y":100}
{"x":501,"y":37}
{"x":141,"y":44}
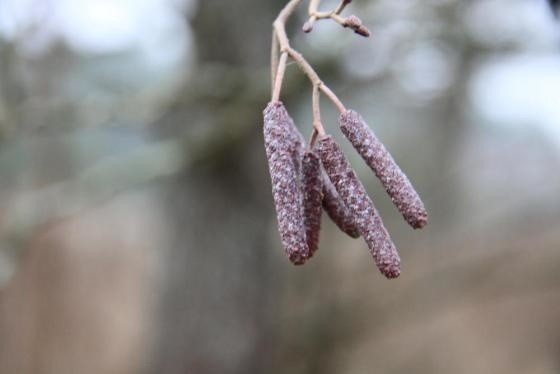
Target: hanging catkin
{"x":337,"y":210}
{"x":331,"y":202}
{"x":396,"y":183}
{"x":311,"y":188}
{"x":281,"y":149}
{"x":358,"y":202}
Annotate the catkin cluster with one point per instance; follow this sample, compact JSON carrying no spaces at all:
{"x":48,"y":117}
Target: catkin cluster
{"x":306,"y":181}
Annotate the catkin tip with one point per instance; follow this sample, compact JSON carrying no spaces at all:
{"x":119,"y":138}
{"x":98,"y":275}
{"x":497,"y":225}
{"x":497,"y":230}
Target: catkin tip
{"x":392,"y":273}
{"x":420,"y":220}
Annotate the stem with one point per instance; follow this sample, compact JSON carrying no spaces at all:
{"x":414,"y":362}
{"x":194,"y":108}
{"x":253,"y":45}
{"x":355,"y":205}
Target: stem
{"x":282,"y":38}
{"x":313,"y":7}
{"x":317,"y":125}
{"x":334,"y":14}
{"x":279,"y":77}
{"x":336,"y":101}
{"x":341,"y":6}
{"x":313,"y":139}
{"x":274,"y":57}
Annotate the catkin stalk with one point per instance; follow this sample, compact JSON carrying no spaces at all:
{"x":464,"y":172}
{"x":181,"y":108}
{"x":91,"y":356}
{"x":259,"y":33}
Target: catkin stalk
{"x":358,"y":202}
{"x":376,"y":156}
{"x":281,"y":150}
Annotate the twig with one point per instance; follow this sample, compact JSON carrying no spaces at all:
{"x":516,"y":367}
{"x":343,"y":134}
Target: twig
{"x":341,"y":6}
{"x":312,"y":10}
{"x":282,"y":39}
{"x":279,"y":76}
{"x":317,"y":125}
{"x":274,"y":59}
{"x":351,"y":21}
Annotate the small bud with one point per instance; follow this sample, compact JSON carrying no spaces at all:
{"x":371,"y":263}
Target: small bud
{"x":307,"y":27}
{"x":397,"y":185}
{"x":358,"y":202}
{"x":337,"y":210}
{"x":356,"y":24}
{"x":282,"y":151}
{"x":311,"y":187}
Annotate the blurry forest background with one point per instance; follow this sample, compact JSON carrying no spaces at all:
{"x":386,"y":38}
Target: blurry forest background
{"x":137,"y":231}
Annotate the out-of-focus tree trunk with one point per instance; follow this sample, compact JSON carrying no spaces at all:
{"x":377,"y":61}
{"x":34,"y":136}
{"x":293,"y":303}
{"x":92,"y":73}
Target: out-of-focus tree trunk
{"x":220,"y":272}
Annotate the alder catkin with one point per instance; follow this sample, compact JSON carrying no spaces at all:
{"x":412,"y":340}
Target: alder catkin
{"x":331,"y":201}
{"x":396,"y":183}
{"x":311,"y":188}
{"x":358,"y":202}
{"x":281,"y":150}
{"x":337,"y":210}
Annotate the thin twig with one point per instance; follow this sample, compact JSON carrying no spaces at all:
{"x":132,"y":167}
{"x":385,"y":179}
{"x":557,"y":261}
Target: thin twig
{"x":312,"y":10}
{"x":274,"y":59}
{"x":352,"y":21}
{"x":313,"y":6}
{"x":313,"y":139}
{"x":341,"y":6}
{"x":284,"y":42}
{"x":317,"y":125}
{"x":327,"y":91}
{"x":279,"y":76}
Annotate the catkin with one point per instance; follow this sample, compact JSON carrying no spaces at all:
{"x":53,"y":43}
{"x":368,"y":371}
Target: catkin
{"x":311,"y":188}
{"x":337,"y":210}
{"x":397,"y":185}
{"x":331,"y":202}
{"x":358,"y":202}
{"x":281,"y":149}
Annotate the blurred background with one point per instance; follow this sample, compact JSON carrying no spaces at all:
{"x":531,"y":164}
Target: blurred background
{"x":137,"y":231}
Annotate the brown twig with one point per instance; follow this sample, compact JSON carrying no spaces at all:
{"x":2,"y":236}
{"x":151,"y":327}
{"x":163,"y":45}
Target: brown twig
{"x":317,"y":125}
{"x":284,"y":43}
{"x":351,"y":21}
{"x":279,"y":76}
{"x":274,"y":59}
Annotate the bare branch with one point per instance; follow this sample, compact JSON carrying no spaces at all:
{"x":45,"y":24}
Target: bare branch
{"x":352,"y":21}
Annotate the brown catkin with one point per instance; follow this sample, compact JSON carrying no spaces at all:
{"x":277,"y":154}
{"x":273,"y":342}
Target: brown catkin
{"x":311,"y":188}
{"x":337,"y":210}
{"x":281,"y":151}
{"x":331,"y":202}
{"x":397,"y":185}
{"x":358,"y":202}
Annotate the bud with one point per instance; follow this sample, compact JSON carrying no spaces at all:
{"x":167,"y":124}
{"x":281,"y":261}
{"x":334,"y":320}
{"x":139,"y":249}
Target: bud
{"x":358,"y":202}
{"x":311,"y":188}
{"x":307,"y":27}
{"x":396,"y":183}
{"x":337,"y":210}
{"x":356,"y":24}
{"x":282,"y":151}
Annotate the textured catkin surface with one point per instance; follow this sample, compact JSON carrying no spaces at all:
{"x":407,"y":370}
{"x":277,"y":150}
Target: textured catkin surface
{"x":281,"y":150}
{"x":358,"y":202}
{"x":311,"y":187}
{"x":337,"y":210}
{"x":396,"y":183}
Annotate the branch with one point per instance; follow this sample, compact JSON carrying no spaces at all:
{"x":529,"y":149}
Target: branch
{"x":284,"y":43}
{"x":351,"y":21}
